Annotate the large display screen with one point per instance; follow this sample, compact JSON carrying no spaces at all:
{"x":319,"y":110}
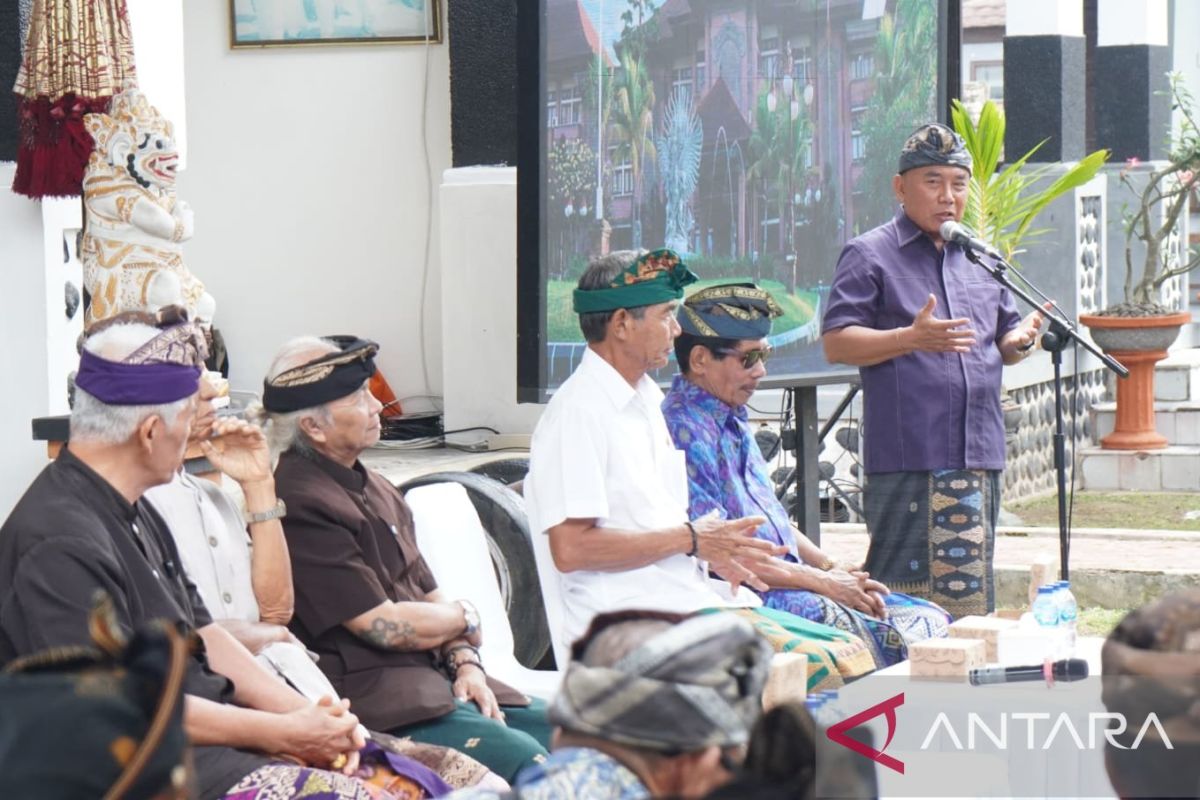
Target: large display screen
{"x":754,"y":137}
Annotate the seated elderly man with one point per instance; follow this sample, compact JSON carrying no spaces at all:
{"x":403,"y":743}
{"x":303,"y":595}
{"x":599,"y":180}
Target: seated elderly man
{"x":240,"y":566}
{"x":651,"y":705}
{"x":1150,"y":671}
{"x":366,"y":601}
{"x":608,"y":486}
{"x":81,"y":527}
{"x":722,"y":353}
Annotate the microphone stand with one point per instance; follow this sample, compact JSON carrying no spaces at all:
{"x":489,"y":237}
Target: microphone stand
{"x":1060,"y":333}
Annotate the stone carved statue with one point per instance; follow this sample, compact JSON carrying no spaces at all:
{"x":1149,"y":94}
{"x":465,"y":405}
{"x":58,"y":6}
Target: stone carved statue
{"x":132,"y":250}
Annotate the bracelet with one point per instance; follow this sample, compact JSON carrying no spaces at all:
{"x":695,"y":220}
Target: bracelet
{"x":826,"y":565}
{"x":695,"y":539}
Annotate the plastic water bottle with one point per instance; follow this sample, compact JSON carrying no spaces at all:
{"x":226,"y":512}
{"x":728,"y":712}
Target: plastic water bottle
{"x":813,"y":704}
{"x":829,"y":707}
{"x":1068,"y":615}
{"x":1046,"y":612}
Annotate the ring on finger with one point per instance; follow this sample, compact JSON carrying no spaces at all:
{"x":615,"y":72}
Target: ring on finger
{"x":340,"y":761}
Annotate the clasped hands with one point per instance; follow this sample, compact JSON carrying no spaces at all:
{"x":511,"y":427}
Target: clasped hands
{"x":324,"y":734}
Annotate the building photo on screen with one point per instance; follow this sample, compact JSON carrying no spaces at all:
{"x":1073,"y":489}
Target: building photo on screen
{"x":754,"y":138}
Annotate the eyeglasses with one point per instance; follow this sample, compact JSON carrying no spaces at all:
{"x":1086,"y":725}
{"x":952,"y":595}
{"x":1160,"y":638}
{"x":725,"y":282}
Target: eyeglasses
{"x":750,"y":357}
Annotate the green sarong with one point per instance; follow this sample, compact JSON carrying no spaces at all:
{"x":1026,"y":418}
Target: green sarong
{"x":503,"y":747}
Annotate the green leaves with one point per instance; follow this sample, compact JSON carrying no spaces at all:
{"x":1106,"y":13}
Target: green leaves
{"x":1002,"y":205}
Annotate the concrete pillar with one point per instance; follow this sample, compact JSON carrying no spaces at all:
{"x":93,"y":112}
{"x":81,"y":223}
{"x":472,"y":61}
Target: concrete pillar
{"x":1044,"y":79}
{"x":1132,"y":61}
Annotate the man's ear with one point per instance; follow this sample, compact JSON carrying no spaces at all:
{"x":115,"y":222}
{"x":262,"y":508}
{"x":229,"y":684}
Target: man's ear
{"x":898,"y":188}
{"x":312,"y":429}
{"x":618,"y":326}
{"x":149,"y":430}
{"x":699,"y":360}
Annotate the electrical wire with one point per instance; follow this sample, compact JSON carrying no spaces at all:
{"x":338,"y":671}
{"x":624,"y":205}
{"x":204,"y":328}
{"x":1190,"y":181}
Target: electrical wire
{"x":428,"y":253}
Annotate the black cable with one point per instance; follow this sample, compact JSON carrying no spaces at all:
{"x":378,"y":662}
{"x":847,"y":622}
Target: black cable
{"x":473,"y":428}
{"x":1074,"y":437}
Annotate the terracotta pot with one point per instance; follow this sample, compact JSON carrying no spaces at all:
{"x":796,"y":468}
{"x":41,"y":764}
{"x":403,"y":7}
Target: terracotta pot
{"x":1138,"y":343}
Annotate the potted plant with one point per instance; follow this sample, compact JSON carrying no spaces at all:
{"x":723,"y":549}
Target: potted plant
{"x":1138,"y":331}
{"x":1002,"y":204}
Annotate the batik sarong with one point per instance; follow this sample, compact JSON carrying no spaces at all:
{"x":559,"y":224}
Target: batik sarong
{"x":909,"y":619}
{"x":933,"y":535}
{"x":834,"y":657}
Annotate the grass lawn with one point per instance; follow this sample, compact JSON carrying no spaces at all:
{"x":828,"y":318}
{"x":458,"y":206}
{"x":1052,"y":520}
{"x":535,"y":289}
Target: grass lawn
{"x":1093,"y":621}
{"x":562,"y":324}
{"x":1147,"y":510}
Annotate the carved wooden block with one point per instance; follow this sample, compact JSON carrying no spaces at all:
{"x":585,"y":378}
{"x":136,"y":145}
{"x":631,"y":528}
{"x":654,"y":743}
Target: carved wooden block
{"x":986,"y":628}
{"x":946,"y":658}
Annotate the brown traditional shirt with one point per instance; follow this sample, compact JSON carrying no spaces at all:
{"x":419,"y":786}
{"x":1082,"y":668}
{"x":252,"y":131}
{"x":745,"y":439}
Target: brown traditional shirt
{"x":350,"y":536}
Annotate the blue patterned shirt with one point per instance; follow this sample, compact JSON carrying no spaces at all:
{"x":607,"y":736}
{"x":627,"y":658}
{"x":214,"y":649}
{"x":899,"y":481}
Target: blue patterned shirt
{"x":573,"y":773}
{"x":726,"y":471}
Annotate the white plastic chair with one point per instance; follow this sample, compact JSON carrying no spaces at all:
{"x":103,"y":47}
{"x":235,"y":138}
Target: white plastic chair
{"x":454,"y":544}
{"x":551,"y":582}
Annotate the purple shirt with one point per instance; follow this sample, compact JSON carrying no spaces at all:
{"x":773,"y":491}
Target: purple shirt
{"x":924,"y":411}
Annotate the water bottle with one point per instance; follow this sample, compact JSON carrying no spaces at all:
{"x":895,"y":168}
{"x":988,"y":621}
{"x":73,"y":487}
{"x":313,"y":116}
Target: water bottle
{"x":1068,"y":615}
{"x":813,"y":704}
{"x":829,"y":707}
{"x":1046,"y":612}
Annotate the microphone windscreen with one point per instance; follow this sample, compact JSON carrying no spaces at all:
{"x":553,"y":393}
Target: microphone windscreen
{"x":948,"y":229}
{"x":1071,"y":669}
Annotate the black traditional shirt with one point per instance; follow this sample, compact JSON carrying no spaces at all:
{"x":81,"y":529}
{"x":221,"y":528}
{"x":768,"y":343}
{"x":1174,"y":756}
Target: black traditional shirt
{"x":72,"y":533}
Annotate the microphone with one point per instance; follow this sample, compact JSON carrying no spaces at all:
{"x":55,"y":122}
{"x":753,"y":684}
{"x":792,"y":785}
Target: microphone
{"x":951,"y":231}
{"x":1068,"y":669}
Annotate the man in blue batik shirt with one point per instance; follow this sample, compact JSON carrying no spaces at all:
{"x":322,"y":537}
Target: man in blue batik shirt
{"x":722,"y":354}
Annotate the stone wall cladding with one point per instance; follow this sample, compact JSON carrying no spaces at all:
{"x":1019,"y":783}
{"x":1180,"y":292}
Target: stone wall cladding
{"x":1030,"y":452}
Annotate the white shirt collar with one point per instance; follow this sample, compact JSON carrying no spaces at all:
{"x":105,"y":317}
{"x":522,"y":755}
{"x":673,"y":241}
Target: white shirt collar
{"x":614,"y":385}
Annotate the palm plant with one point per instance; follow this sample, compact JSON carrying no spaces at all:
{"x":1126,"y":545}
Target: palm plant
{"x":631,"y":118}
{"x":903,"y":99}
{"x":779,"y":149}
{"x":1002,"y":205}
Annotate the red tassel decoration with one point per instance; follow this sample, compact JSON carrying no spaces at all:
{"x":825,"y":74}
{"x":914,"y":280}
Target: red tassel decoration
{"x":78,"y":54}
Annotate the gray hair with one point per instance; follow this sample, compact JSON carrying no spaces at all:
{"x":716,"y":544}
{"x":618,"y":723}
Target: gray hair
{"x":599,"y":273}
{"x":283,"y":430}
{"x":93,"y":420}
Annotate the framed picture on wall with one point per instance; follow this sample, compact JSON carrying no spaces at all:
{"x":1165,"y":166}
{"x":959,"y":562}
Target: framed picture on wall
{"x":279,"y":23}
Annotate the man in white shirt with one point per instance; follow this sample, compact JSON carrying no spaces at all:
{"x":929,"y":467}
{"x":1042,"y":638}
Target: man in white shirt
{"x":609,"y":488}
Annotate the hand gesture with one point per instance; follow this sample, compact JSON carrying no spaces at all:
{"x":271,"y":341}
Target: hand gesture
{"x":732,"y":551}
{"x":1027,"y":332}
{"x":323,"y":733}
{"x":935,"y":335}
{"x":471,"y":684}
{"x":239,"y":449}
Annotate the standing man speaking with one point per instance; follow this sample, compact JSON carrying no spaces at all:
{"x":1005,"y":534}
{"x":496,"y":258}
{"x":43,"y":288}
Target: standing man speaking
{"x":930,"y":333}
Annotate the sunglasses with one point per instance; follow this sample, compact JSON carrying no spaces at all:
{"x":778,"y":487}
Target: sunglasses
{"x":750,"y":357}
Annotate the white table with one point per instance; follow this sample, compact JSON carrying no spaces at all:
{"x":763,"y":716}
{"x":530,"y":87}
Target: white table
{"x":938,"y":719}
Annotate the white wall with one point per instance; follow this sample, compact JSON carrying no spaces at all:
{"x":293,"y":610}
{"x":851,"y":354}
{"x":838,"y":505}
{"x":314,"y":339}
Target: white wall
{"x":23,"y":359}
{"x":311,"y":194}
{"x":479,"y":307}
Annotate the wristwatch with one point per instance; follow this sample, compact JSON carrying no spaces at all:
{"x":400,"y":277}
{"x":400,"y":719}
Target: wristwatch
{"x":278,"y":512}
{"x":470,"y":617}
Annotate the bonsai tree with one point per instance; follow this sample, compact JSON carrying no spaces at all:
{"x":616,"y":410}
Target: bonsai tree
{"x":1171,"y":187}
{"x":1002,"y":205}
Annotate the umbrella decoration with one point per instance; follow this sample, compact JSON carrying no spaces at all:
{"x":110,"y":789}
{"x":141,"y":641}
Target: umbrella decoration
{"x":78,"y":54}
